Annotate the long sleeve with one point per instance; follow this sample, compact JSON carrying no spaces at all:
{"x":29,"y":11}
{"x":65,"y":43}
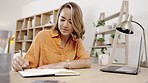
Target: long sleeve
{"x":33,"y":54}
{"x":46,"y":49}
{"x":81,"y":52}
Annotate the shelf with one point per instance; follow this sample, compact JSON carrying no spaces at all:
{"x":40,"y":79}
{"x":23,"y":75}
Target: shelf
{"x":47,"y":18}
{"x":30,"y":34}
{"x":112,"y":16}
{"x":99,"y":47}
{"x":18,"y":45}
{"x":28,"y":44}
{"x":28,"y":27}
{"x":20,"y":24}
{"x":24,"y":40}
{"x":23,"y":29}
{"x":48,"y":25}
{"x":18,"y":29}
{"x":106,"y":31}
{"x":109,"y":46}
{"x":29,"y":40}
{"x":36,"y":30}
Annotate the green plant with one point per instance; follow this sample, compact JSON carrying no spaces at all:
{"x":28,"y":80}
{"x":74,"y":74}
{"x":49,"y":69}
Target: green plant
{"x":103,"y":50}
{"x":112,"y":35}
{"x":99,"y":23}
{"x":101,"y":39}
{"x":96,"y":54}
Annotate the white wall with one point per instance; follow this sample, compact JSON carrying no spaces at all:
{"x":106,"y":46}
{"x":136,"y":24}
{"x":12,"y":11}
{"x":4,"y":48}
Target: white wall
{"x":91,"y":10}
{"x":10,"y":12}
{"x":8,"y":16}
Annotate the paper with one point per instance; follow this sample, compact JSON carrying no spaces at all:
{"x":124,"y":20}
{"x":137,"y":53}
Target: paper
{"x":47,"y":72}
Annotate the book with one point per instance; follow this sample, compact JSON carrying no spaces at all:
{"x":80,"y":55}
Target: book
{"x":47,"y":72}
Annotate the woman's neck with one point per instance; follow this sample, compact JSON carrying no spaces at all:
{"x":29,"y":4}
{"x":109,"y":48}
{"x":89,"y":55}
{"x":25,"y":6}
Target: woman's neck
{"x":64,"y":40}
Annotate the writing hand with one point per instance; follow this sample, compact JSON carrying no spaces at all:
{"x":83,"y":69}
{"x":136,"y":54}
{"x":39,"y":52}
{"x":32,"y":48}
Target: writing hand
{"x":19,"y":63}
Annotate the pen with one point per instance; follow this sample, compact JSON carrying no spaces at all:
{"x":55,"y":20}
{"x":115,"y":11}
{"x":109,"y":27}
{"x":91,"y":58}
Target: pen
{"x":21,"y":56}
{"x":20,"y":51}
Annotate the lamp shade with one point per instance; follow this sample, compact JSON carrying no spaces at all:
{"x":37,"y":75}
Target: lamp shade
{"x":126,"y":26}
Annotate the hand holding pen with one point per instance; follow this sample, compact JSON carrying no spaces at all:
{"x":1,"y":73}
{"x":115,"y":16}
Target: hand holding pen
{"x":21,"y":57}
{"x":21,"y":53}
{"x":19,"y":63}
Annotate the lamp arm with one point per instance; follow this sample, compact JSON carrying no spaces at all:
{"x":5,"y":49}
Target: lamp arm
{"x":144,"y":38}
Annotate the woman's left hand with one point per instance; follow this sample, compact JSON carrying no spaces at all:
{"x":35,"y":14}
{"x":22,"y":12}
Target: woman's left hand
{"x":60,"y":65}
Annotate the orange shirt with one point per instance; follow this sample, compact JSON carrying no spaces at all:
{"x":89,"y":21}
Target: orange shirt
{"x":47,"y":49}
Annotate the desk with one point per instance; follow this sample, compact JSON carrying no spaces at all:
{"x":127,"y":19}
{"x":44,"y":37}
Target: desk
{"x":89,"y":75}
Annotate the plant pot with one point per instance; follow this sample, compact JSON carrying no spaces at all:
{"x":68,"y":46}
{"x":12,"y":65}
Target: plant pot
{"x":103,"y":59}
{"x":111,"y":40}
{"x":98,"y":43}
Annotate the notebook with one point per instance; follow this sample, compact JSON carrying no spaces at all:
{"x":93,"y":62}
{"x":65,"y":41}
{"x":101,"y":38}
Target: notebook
{"x":125,"y":69}
{"x":47,"y":72}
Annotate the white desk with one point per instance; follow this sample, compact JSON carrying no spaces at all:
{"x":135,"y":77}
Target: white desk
{"x":89,"y":75}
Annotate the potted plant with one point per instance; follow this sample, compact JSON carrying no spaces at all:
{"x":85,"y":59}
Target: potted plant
{"x":103,"y":56}
{"x":100,"y":41}
{"x":98,"y":53}
{"x":112,"y":36}
{"x":99,"y":25}
{"x":103,"y":50}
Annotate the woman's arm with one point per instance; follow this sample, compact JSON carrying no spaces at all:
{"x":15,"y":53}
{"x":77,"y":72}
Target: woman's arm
{"x":19,"y":63}
{"x":82,"y":63}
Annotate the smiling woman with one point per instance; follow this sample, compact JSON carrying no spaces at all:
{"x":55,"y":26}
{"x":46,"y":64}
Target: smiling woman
{"x":60,"y":47}
{"x":65,"y":25}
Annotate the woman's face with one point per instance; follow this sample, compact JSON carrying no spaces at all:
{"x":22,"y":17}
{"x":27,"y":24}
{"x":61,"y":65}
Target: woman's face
{"x":64,"y":22}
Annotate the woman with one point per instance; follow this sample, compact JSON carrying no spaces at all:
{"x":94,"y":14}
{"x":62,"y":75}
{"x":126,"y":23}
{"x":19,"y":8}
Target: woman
{"x":60,"y":47}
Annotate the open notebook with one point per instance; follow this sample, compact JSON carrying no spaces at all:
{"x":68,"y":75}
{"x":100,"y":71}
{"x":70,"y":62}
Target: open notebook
{"x":126,"y":69}
{"x":47,"y":72}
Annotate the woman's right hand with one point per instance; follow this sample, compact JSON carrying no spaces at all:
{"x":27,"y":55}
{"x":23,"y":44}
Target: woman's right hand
{"x":19,"y":63}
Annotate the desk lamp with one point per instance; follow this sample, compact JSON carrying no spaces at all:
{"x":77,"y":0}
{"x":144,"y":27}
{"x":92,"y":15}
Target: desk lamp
{"x":127,"y":28}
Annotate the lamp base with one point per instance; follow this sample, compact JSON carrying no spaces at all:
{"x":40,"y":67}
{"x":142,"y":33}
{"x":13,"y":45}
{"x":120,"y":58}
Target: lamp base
{"x":144,"y":64}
